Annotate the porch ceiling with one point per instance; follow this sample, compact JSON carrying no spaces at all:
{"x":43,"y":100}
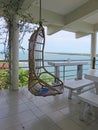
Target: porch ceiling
{"x":79,"y":16}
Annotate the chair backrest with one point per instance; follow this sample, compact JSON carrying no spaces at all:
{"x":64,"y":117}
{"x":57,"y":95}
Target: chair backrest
{"x":38,"y":75}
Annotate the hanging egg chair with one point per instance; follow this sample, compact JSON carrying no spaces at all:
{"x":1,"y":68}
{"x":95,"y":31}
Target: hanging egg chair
{"x":41,"y":82}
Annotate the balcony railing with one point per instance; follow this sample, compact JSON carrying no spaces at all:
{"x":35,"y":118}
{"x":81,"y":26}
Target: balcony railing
{"x":66,"y":73}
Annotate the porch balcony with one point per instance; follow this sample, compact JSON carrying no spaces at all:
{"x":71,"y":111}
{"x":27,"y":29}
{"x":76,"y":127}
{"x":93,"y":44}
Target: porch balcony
{"x":20,"y":110}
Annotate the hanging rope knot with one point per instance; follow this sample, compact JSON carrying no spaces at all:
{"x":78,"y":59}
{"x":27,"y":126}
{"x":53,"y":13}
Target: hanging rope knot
{"x":40,"y":23}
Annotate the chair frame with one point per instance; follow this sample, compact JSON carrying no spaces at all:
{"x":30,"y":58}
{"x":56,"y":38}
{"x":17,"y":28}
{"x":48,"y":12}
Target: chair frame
{"x":36,"y":67}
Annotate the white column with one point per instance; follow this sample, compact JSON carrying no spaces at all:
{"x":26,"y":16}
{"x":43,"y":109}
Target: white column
{"x":93,"y":47}
{"x":14,"y":52}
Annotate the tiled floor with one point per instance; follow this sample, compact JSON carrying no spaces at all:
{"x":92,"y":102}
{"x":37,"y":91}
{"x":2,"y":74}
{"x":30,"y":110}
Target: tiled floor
{"x":20,"y":110}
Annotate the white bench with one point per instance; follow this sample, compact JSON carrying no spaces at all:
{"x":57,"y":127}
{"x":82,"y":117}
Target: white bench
{"x":77,"y":86}
{"x":88,"y":102}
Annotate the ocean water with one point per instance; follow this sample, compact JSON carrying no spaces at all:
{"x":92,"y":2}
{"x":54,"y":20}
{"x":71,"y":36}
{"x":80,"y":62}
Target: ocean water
{"x":57,"y":56}
{"x":23,"y":55}
{"x":53,"y":56}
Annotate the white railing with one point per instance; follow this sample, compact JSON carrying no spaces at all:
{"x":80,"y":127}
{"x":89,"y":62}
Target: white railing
{"x":68,"y":72}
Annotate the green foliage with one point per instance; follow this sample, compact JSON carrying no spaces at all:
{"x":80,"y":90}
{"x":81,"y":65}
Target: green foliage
{"x":4,"y":84}
{"x":46,"y":77}
{"x":23,"y":77}
{"x":4,"y":78}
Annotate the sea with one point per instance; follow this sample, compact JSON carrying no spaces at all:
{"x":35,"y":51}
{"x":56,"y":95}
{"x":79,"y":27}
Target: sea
{"x":23,"y":55}
{"x":55,"y":56}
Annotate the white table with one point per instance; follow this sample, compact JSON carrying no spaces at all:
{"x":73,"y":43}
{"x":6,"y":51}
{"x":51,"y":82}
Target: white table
{"x":79,"y":65}
{"x":76,"y":86}
{"x":89,"y":98}
{"x":93,"y":75}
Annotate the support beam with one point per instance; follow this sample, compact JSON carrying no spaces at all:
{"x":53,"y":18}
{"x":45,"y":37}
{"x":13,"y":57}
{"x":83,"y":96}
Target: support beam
{"x":84,"y":27}
{"x":96,"y":27}
{"x":53,"y":29}
{"x":82,"y":12}
{"x":80,"y":26}
{"x":81,"y":34}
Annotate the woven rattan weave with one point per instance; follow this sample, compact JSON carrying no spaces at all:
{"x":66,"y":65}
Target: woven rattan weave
{"x":41,"y":82}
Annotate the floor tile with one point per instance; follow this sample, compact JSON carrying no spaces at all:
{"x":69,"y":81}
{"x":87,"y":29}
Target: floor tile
{"x":67,"y":124}
{"x":20,"y":110}
{"x":56,"y":116}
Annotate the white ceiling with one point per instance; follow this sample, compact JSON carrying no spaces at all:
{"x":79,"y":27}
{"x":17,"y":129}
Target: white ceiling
{"x":60,"y":6}
{"x":79,"y":16}
{"x":93,"y":19}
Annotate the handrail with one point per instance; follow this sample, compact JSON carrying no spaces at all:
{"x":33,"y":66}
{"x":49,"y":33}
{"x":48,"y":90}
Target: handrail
{"x":70,"y":71}
{"x":62,"y":68}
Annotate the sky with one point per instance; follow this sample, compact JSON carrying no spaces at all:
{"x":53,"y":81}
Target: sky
{"x":64,"y":41}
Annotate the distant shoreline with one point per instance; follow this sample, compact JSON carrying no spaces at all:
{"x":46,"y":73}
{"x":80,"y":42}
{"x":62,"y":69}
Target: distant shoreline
{"x":62,"y":53}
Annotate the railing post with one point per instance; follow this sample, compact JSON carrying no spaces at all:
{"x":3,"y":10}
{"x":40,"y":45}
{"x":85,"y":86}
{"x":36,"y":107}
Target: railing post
{"x":63,"y":73}
{"x":93,"y":49}
{"x":93,"y":62}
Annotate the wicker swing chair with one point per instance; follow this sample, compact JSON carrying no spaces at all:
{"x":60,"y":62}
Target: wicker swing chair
{"x":39,"y":78}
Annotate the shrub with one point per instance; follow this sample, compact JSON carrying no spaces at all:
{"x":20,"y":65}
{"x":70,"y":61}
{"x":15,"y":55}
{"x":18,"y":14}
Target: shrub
{"x":23,"y":77}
